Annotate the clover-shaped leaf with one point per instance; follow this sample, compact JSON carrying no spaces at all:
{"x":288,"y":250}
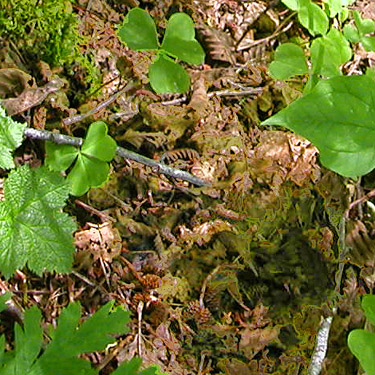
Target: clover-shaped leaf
{"x":167,"y":76}
{"x":91,"y":166}
{"x":139,"y":31}
{"x":179,"y":39}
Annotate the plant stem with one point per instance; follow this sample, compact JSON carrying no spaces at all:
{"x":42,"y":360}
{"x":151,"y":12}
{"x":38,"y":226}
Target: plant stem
{"x":45,"y":135}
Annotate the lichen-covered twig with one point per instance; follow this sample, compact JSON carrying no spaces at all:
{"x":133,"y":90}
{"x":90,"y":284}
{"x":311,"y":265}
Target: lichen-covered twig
{"x":126,"y":154}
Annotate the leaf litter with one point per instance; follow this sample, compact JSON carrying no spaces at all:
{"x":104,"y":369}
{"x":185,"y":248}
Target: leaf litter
{"x":230,"y":278}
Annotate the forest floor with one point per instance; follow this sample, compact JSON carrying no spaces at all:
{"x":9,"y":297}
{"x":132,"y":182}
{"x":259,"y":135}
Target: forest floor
{"x":234,"y":277}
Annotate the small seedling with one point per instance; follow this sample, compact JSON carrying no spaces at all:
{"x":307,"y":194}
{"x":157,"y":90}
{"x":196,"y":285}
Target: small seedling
{"x":359,"y":32}
{"x":165,"y":74}
{"x":91,"y":167}
{"x":362,"y":342}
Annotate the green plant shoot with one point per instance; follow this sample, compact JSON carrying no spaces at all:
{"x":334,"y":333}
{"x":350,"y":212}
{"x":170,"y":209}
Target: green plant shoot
{"x":362,"y":342}
{"x":91,"y":167}
{"x":165,"y":74}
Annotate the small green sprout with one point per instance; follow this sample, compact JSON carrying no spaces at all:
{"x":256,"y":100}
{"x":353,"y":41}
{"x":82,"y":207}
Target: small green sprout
{"x":166,"y":75}
{"x":91,"y":167}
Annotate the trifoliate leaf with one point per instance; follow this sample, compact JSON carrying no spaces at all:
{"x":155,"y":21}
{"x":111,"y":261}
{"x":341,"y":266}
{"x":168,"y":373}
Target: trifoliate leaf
{"x":33,"y":228}
{"x":351,"y":33}
{"x":166,"y":76}
{"x":91,"y":168}
{"x":68,"y":341}
{"x":289,"y":61}
{"x":337,"y":116}
{"x":139,"y":31}
{"x":11,"y":136}
{"x":179,"y":40}
{"x":364,"y":26}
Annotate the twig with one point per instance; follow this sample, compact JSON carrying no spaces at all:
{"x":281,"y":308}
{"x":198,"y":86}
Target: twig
{"x":247,"y":91}
{"x":161,"y":168}
{"x":78,"y":118}
{"x":320,"y":350}
{"x":175,"y":101}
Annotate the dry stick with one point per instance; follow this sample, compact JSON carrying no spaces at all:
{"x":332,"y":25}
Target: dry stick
{"x":60,"y":139}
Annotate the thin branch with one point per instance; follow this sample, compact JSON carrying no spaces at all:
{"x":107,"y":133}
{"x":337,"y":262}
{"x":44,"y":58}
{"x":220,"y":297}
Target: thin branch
{"x":161,"y":168}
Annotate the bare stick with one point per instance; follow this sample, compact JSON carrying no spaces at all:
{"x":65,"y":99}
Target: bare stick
{"x":161,"y":168}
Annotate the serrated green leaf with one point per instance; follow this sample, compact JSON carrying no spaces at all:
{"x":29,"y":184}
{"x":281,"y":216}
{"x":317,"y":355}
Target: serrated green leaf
{"x":312,"y":17}
{"x":166,"y":76}
{"x":68,"y":341}
{"x":337,"y":116}
{"x":368,"y":306}
{"x":179,"y":40}
{"x":33,"y":228}
{"x":3,"y":300}
{"x":139,"y":31}
{"x":11,"y":137}
{"x":362,"y":344}
{"x":329,"y":52}
{"x":60,"y":157}
{"x":364,"y":26}
{"x":98,"y":144}
{"x":289,"y":61}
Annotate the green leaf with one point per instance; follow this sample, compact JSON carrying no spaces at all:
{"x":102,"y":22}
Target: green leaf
{"x":68,"y":341}
{"x":33,"y":228}
{"x":132,"y":368}
{"x":351,"y":33}
{"x":291,"y":4}
{"x":60,"y":157}
{"x":338,"y":117}
{"x":4,"y":298}
{"x":364,"y":26}
{"x":368,"y":43}
{"x":289,"y":61}
{"x":91,"y":168}
{"x":334,"y":7}
{"x":179,"y":40}
{"x":166,"y":76}
{"x":368,"y":306}
{"x":98,"y":144}
{"x":139,"y":31}
{"x":312,"y":17}
{"x":329,"y":52}
{"x":11,"y":136}
{"x":362,"y":344}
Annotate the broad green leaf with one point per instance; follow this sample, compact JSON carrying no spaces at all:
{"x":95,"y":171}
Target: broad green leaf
{"x":69,"y":340}
{"x":364,"y":26}
{"x":11,"y":136}
{"x":98,"y":143}
{"x":334,"y":7}
{"x":329,"y":52}
{"x":87,"y":173}
{"x":139,"y":31}
{"x":291,"y":4}
{"x":166,"y":76}
{"x":368,"y":306}
{"x":362,"y":344}
{"x":33,"y":228}
{"x":3,"y":300}
{"x":179,"y":40}
{"x":289,"y":61}
{"x":337,"y":116}
{"x":60,"y":157}
{"x":312,"y":17}
{"x":351,"y":33}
